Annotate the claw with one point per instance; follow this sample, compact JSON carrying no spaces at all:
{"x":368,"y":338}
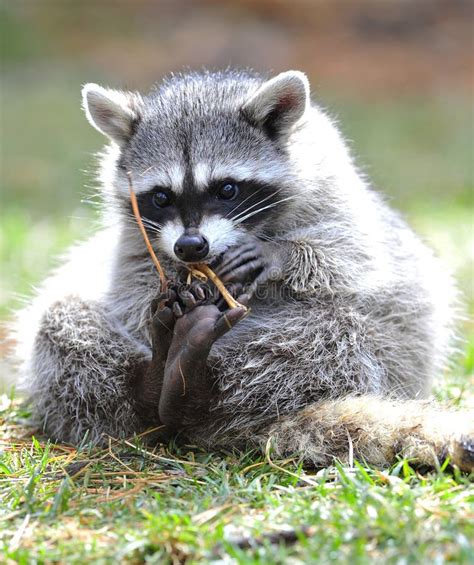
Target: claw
{"x":200,"y":293}
{"x":177,"y":310}
{"x":188,"y":299}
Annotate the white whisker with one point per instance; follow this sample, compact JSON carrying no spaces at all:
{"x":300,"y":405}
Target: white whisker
{"x":150,"y":224}
{"x":266,"y":237}
{"x":244,"y":201}
{"x":256,"y":204}
{"x":242,"y":219}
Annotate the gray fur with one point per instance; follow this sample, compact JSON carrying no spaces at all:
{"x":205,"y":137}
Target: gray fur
{"x":360,"y":305}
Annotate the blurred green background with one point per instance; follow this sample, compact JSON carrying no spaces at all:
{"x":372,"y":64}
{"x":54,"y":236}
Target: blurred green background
{"x":398,"y":75}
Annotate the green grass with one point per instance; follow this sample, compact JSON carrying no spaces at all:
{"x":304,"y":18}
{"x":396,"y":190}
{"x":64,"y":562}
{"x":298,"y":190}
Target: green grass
{"x":135,"y":505}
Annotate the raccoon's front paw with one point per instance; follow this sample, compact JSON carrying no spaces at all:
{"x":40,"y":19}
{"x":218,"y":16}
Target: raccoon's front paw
{"x":187,"y":385}
{"x":253,"y":262}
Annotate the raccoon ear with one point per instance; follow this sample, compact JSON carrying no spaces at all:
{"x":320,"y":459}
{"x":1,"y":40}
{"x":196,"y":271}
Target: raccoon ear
{"x":279,"y":102}
{"x":113,"y":112}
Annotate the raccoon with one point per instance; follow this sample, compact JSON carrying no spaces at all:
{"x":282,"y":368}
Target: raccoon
{"x":350,"y":314}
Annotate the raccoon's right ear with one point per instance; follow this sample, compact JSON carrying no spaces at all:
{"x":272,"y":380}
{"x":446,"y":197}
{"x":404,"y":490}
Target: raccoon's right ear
{"x":279,"y":102}
{"x":112,"y":112}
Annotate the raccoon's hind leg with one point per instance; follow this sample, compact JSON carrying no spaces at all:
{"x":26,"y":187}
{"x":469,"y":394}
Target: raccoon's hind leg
{"x":376,"y":431}
{"x":82,"y":372}
{"x":148,"y":384}
{"x":164,"y":310}
{"x":187,"y":385}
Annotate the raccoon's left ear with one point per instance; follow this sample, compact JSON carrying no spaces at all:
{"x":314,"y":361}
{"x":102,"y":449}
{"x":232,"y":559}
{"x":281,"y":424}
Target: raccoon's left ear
{"x":112,"y":112}
{"x":279,"y":102}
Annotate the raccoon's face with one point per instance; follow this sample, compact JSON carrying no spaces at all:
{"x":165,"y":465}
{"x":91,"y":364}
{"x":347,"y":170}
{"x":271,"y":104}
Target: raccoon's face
{"x":206,"y":155}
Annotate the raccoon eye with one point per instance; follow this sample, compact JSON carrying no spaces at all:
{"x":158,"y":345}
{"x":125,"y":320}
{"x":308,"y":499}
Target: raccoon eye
{"x":161,"y":199}
{"x":228,"y":191}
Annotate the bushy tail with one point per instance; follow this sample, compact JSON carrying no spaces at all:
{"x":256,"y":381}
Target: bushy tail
{"x":376,"y":431}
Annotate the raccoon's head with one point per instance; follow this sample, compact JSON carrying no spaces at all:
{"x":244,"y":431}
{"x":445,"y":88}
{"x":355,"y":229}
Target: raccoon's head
{"x":207,"y":155}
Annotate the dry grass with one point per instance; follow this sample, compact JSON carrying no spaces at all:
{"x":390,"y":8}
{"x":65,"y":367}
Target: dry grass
{"x":128,"y":503}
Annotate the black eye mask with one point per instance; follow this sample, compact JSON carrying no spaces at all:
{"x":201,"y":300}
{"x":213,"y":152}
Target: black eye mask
{"x":247,"y":203}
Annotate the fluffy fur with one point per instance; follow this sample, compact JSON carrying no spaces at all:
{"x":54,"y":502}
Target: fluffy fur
{"x":360,"y":311}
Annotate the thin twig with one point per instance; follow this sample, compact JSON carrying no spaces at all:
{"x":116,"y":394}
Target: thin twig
{"x":269,"y":460}
{"x":136,"y":212}
{"x":208,"y":272}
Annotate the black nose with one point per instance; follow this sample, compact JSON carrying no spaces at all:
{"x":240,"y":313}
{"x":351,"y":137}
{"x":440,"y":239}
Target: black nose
{"x":191,"y":248}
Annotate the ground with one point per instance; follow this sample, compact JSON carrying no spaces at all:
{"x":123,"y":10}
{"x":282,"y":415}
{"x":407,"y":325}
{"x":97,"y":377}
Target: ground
{"x":128,"y":503}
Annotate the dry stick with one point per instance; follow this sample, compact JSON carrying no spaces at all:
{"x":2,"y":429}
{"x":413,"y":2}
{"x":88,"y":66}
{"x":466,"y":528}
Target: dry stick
{"x":208,"y":272}
{"x":136,"y":213}
{"x":200,"y":268}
